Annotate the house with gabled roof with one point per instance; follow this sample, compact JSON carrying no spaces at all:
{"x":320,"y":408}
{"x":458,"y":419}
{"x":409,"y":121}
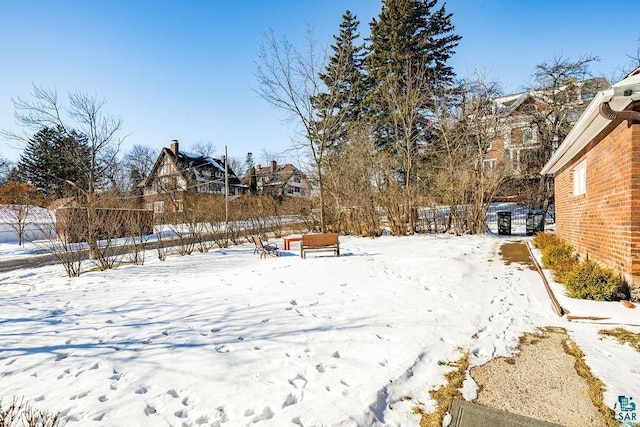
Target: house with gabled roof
{"x":277,"y":180}
{"x":597,"y":181}
{"x":516,"y":134}
{"x":177,"y":172}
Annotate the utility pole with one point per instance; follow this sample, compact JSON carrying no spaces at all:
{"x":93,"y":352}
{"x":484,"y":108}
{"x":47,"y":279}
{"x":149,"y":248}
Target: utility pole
{"x":226,"y":190}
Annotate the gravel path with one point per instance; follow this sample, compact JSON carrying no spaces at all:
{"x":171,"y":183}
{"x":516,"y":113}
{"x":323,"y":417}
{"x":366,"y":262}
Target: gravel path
{"x":539,"y":382}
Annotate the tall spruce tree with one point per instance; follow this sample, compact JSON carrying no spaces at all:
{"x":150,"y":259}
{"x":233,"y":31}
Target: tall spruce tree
{"x":344,"y":80}
{"x":52,"y":159}
{"x":410,"y":45}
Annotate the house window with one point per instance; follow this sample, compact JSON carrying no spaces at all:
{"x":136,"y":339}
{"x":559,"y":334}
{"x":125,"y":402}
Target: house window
{"x":182,"y":185}
{"x":580,"y":178}
{"x":158,"y":207}
{"x":489,"y":163}
{"x":178,"y":206}
{"x":528,"y":136}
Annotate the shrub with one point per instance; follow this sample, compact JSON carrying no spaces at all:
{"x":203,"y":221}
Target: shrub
{"x":560,"y":258}
{"x":542,"y":240}
{"x":18,"y":413}
{"x":588,"y":280}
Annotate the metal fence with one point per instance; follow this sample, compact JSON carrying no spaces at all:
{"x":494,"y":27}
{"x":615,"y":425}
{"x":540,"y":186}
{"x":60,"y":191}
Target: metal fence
{"x":518,"y":213}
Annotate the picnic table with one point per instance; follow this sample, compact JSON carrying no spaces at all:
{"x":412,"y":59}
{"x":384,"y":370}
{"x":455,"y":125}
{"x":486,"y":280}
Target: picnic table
{"x":289,"y":239}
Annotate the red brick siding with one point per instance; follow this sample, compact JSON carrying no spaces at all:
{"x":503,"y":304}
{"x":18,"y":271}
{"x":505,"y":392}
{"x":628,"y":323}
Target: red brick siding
{"x":604,"y":223}
{"x":496,"y":151}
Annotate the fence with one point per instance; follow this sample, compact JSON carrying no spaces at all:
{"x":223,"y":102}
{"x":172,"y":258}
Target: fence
{"x":518,"y":213}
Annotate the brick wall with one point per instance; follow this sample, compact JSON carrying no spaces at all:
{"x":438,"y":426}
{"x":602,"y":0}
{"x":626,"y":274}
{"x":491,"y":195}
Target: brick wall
{"x":604,"y":223}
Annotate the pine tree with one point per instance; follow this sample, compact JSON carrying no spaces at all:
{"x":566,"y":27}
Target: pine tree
{"x":50,"y":161}
{"x":344,"y":80}
{"x":406,"y":64}
{"x":410,"y":45}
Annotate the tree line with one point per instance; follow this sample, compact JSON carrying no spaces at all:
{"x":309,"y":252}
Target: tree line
{"x":384,"y":121}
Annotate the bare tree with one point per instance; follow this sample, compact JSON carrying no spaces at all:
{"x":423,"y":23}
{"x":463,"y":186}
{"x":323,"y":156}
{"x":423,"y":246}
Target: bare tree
{"x":5,"y":169}
{"x":560,"y":90}
{"x":138,"y":162}
{"x":350,"y":183}
{"x":204,"y":148}
{"x":405,"y":97}
{"x":632,"y":64}
{"x":465,"y":128}
{"x":289,"y":79}
{"x":84,"y":114}
{"x":18,"y":201}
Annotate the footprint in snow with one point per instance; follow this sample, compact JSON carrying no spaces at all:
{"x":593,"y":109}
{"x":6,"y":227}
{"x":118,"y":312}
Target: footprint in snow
{"x":267,"y":414}
{"x":142,"y":390}
{"x":290,"y":400}
{"x":61,"y":356}
{"x":298,"y":382}
{"x":222,"y":349}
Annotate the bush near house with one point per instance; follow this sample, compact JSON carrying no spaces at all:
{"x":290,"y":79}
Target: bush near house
{"x":583,"y":279}
{"x":590,"y":281}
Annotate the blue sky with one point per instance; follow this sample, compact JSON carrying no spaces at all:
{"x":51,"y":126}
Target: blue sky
{"x":185,"y":69}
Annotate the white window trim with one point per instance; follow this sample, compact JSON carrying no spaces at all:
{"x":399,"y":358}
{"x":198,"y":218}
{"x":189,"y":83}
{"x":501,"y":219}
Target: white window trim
{"x":158,"y":207}
{"x":489,"y":163}
{"x":580,"y":178}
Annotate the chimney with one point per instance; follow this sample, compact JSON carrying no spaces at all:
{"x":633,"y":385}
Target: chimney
{"x":223,"y":159}
{"x":273,"y":166}
{"x":258,"y":167}
{"x":174,"y":146}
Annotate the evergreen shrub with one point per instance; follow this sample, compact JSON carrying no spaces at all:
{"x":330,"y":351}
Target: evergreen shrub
{"x":589,"y":281}
{"x":585,"y":280}
{"x":542,"y":240}
{"x":560,"y":258}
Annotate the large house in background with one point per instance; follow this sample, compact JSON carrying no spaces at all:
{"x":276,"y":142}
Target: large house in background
{"x":277,"y":180}
{"x":597,"y":181}
{"x":176,"y":172}
{"x":515,"y":132}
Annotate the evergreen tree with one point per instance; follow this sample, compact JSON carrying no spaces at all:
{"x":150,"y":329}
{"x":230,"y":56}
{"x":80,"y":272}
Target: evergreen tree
{"x":344,"y":80}
{"x":410,"y":45}
{"x":52,"y":159}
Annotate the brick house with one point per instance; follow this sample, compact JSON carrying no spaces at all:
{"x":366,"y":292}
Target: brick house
{"x":597,"y":181}
{"x":176,"y":172}
{"x":515,"y":132}
{"x":278,"y":180}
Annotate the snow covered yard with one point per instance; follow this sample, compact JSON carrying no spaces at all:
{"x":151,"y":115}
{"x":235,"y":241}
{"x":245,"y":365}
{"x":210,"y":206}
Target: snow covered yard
{"x":227,"y":338}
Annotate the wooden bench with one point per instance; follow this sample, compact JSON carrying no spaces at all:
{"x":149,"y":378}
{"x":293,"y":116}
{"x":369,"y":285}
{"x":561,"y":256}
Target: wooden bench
{"x":319,"y":242}
{"x":264,"y":248}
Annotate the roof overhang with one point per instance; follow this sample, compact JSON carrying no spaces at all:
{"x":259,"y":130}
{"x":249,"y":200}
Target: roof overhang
{"x":591,"y":123}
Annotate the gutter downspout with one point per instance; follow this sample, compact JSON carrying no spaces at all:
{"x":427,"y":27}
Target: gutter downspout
{"x":605,"y":111}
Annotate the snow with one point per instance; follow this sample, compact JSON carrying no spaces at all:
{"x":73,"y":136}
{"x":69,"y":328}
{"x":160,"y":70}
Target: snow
{"x":225,"y":338}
